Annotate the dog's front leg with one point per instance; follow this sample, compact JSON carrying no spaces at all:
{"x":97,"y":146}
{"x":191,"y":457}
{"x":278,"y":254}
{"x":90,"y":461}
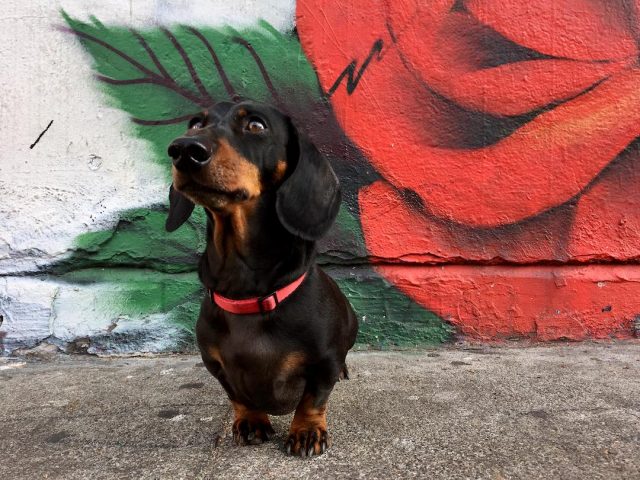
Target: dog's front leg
{"x":250,"y":427}
{"x":308,"y":432}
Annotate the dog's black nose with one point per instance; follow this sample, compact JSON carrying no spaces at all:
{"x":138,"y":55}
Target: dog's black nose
{"x":190,"y":153}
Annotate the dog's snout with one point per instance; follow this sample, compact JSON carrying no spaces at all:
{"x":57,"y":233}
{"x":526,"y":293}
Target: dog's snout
{"x":189,"y":153}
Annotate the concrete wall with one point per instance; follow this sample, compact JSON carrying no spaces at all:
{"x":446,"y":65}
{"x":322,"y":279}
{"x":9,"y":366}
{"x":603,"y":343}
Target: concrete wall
{"x":488,"y":152}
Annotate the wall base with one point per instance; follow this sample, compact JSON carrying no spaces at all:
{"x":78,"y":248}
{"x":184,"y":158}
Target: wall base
{"x":538,"y":302}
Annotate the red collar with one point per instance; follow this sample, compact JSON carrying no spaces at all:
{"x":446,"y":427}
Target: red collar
{"x":257,"y":304}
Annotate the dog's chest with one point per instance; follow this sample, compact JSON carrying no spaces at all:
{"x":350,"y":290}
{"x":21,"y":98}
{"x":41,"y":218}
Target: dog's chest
{"x":261,"y":372}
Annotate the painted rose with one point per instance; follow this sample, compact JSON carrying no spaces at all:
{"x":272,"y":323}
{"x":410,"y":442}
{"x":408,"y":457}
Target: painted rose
{"x":505,"y":133}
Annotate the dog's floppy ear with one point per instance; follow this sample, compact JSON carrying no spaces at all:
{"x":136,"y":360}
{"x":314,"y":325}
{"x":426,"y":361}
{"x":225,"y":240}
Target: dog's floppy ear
{"x":180,"y":208}
{"x":308,"y":201}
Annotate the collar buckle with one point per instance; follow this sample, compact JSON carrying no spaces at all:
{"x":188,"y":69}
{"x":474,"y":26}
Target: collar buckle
{"x":268,"y":302}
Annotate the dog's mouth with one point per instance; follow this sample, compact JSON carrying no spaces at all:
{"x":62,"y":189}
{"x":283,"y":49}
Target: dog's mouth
{"x":201,"y":192}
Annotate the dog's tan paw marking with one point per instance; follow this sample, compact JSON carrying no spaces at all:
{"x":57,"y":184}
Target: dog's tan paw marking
{"x":252,"y":431}
{"x":307,"y":441}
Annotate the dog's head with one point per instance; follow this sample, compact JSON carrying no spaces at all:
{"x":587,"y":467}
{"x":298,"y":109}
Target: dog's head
{"x":235,"y":153}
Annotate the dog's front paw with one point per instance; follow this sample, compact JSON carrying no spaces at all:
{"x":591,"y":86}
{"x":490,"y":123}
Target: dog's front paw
{"x":252,"y":431}
{"x":307,"y":441}
{"x":250,"y":427}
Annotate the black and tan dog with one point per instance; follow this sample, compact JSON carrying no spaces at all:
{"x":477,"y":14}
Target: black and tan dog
{"x":274,"y":329}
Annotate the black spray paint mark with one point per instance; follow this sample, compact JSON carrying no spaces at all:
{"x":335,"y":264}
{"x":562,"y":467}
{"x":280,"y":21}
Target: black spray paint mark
{"x":352,"y":82}
{"x":40,"y":136}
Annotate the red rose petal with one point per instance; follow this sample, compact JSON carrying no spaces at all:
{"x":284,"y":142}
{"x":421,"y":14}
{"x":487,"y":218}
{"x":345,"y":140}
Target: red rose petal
{"x":604,"y":226}
{"x":407,"y":17}
{"x":578,"y":29}
{"x":396,"y":121}
{"x":518,"y":88}
{"x":607,"y":218}
{"x":539,"y":166}
{"x":396,"y":231}
{"x":343,"y":31}
{"x":450,"y":57}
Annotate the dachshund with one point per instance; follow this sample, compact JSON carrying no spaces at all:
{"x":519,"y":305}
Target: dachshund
{"x":274,"y":329}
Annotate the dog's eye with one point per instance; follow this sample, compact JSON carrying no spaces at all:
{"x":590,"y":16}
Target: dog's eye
{"x":196,"y":122}
{"x":255,"y":125}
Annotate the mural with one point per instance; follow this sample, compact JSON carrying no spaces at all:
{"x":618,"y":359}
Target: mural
{"x":504,"y":132}
{"x":488,"y":152}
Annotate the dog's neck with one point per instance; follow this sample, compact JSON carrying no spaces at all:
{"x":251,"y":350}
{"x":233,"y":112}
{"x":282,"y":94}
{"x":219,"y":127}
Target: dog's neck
{"x":249,"y":253}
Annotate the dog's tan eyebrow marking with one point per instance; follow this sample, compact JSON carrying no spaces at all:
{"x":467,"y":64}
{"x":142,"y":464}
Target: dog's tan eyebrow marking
{"x":281,"y":169}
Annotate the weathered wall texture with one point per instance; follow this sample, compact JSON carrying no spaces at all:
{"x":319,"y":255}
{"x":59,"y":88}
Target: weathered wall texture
{"x":488,"y":152}
{"x":504,"y":134}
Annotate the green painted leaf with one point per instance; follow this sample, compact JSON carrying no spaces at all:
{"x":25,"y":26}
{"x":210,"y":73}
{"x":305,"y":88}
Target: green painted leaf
{"x":140,"y":240}
{"x":141,"y":292}
{"x":158,"y":283}
{"x":388,"y":318}
{"x":160,"y":76}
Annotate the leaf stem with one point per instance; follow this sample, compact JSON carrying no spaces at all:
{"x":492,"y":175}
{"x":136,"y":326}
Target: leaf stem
{"x":223,"y":75}
{"x":263,"y":72}
{"x":169,"y":121}
{"x":152,"y":77}
{"x":151,"y":53}
{"x":192,"y":71}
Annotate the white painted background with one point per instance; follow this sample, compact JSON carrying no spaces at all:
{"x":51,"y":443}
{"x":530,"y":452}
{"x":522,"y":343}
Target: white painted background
{"x":87,"y":167}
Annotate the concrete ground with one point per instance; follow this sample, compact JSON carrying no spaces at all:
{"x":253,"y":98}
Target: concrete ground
{"x":552,"y":412}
